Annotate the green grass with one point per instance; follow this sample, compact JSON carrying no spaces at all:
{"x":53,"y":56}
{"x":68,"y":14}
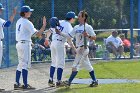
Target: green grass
{"x":104,"y":88}
{"x":129,"y":69}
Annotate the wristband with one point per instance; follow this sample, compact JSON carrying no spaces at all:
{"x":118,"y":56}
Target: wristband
{"x":89,"y":36}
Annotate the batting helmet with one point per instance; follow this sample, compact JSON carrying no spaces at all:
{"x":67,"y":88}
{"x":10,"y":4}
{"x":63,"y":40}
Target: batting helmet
{"x":54,"y":21}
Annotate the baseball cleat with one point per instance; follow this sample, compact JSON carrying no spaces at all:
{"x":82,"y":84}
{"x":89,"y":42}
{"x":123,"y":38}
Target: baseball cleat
{"x":28,"y":87}
{"x":50,"y":83}
{"x":17,"y":87}
{"x":60,"y":84}
{"x":66,"y":84}
{"x":94,"y":84}
{"x":1,"y":90}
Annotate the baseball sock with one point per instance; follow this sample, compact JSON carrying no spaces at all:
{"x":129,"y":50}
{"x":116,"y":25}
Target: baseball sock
{"x":92,"y":75}
{"x":52,"y":70}
{"x":59,"y":74}
{"x":73,"y":74}
{"x":18,"y":73}
{"x":24,"y":75}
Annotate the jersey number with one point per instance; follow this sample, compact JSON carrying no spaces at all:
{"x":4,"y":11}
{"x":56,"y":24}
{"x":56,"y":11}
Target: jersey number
{"x":19,"y":27}
{"x":61,"y":28}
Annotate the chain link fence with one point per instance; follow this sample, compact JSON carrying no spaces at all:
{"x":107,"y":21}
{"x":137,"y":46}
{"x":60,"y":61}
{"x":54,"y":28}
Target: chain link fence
{"x":9,"y":50}
{"x":103,"y":14}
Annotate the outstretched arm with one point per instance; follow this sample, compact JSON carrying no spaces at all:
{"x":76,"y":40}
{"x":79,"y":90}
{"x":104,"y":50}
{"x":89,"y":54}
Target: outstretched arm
{"x":42,"y":28}
{"x":8,"y":23}
{"x":71,"y":44}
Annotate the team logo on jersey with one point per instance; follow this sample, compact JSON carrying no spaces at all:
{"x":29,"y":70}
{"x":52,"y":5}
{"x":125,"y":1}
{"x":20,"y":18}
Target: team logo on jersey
{"x":79,"y":31}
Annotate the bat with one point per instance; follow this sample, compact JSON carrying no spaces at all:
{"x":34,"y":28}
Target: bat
{"x":85,"y":40}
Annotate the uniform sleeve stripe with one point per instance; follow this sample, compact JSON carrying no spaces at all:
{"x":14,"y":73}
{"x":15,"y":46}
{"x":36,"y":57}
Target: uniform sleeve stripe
{"x":3,"y":24}
{"x":34,"y":33}
{"x":7,"y":24}
{"x":51,"y":30}
{"x":70,"y":35}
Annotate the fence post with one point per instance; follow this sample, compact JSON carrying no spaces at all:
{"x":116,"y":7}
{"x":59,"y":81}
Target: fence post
{"x":22,"y":3}
{"x":6,"y":38}
{"x":131,"y":28}
{"x":80,"y":5}
{"x":139,"y":17}
{"x":52,"y":8}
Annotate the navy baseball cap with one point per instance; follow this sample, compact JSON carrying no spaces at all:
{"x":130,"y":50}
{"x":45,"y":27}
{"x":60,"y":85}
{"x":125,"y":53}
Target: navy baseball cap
{"x":1,"y":6}
{"x":26,"y":9}
{"x":71,"y":15}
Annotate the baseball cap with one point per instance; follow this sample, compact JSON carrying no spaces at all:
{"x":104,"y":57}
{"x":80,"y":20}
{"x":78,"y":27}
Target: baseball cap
{"x":26,"y":9}
{"x":71,"y":15}
{"x":1,"y":6}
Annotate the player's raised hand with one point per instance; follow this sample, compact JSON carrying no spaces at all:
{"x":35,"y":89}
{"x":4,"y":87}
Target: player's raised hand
{"x":14,"y":11}
{"x":44,"y":21}
{"x":13,"y":15}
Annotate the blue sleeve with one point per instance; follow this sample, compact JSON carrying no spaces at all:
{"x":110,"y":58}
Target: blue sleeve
{"x":7,"y":24}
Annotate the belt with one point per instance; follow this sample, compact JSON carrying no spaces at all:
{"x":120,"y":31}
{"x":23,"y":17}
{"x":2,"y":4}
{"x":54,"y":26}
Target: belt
{"x":80,"y":46}
{"x":22,"y":41}
{"x":58,"y":40}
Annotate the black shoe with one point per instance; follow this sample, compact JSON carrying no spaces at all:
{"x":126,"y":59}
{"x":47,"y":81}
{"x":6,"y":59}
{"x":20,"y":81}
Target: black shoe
{"x":94,"y":84}
{"x":28,"y":87}
{"x":50,"y":83}
{"x":1,"y":90}
{"x":17,"y":87}
{"x":66,"y":84}
{"x":60,"y":84}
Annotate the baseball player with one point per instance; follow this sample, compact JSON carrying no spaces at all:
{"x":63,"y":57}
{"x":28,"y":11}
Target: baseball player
{"x":58,"y":47}
{"x":24,"y":31}
{"x":3,"y":24}
{"x":81,"y":52}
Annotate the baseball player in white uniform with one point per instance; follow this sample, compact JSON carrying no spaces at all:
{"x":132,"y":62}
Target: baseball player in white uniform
{"x":3,"y":24}
{"x":24,"y":31}
{"x":81,"y":52}
{"x":58,"y":46}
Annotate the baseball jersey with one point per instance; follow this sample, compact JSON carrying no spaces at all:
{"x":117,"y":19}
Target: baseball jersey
{"x":65,"y":27}
{"x":116,"y":41}
{"x":2,"y":22}
{"x":24,"y":29}
{"x":77,"y":33}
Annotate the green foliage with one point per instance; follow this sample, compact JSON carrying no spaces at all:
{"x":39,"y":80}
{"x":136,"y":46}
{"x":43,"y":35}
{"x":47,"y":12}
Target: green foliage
{"x":103,"y":14}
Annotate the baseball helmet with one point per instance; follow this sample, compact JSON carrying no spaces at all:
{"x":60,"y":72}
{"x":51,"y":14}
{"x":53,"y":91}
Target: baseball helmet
{"x":1,"y":7}
{"x":54,"y":21}
{"x":26,"y":9}
{"x":71,"y":15}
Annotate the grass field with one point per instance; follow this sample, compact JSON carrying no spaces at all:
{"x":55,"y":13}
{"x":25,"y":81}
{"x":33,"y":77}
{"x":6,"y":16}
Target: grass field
{"x":129,"y":69}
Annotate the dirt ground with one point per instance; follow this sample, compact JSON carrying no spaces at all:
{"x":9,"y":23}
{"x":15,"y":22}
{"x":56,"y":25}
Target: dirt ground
{"x":38,"y":77}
